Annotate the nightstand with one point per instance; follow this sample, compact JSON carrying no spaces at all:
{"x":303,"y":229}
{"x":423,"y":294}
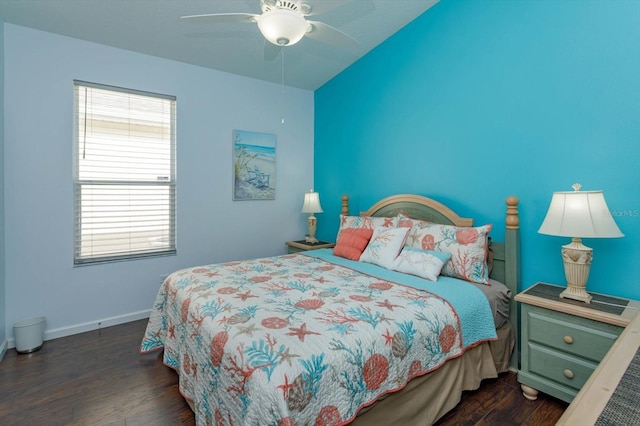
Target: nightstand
{"x":563,"y":340}
{"x":302,"y":245}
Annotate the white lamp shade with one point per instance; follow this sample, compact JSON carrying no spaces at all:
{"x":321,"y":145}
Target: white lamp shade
{"x":282,"y":27}
{"x":311,"y":203}
{"x":581,"y":214}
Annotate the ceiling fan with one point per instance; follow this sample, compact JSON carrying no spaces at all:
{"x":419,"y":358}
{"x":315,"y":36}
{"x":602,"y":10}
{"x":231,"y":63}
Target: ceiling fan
{"x":283,"y":23}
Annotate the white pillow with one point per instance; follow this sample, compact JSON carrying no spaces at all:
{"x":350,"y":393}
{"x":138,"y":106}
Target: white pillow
{"x":468,"y":247}
{"x":384,"y":246}
{"x":423,"y":263}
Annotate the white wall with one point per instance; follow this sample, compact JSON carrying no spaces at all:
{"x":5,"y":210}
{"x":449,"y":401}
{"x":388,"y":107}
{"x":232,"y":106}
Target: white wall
{"x":38,"y":94}
{"x":3,"y":340}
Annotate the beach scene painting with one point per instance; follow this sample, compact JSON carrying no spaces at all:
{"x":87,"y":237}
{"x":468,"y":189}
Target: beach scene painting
{"x":254,"y":165}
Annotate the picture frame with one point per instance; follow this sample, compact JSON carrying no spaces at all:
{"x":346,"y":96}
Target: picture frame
{"x":254,"y":166}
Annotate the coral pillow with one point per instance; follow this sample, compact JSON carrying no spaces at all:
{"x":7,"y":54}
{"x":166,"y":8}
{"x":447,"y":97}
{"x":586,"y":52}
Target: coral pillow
{"x":385,"y":245}
{"x":352,"y":242}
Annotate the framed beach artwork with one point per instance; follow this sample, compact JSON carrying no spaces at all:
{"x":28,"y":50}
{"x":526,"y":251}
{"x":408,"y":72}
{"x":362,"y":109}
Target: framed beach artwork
{"x":254,"y":166}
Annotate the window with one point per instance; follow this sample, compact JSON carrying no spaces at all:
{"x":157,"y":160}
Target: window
{"x":124,"y":174}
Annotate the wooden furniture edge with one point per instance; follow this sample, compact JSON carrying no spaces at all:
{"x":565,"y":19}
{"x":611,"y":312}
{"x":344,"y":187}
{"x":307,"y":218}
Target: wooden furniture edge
{"x":621,"y":320}
{"x":588,"y":404}
{"x":345,"y":206}
{"x":512,"y":269}
{"x":424,"y":201}
{"x":306,"y":246}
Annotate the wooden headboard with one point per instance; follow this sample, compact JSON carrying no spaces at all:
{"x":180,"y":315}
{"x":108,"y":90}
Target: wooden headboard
{"x":506,"y":260}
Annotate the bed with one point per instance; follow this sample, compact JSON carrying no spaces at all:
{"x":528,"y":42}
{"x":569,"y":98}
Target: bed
{"x":315,"y":338}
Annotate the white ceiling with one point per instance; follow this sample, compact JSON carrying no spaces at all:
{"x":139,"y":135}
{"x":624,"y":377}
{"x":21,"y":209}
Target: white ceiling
{"x":154,"y":27}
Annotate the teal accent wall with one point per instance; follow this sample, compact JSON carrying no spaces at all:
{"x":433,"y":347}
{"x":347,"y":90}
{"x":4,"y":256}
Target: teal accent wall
{"x":478,"y":100}
{"x":3,"y":336}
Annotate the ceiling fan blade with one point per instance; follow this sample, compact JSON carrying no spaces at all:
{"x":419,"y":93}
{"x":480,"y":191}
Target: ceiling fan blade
{"x":333,"y":36}
{"x":270,"y":50}
{"x":222,"y":18}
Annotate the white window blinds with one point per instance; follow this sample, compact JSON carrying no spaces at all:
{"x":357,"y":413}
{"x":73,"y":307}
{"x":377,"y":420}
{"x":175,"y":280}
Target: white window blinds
{"x":124,"y":173}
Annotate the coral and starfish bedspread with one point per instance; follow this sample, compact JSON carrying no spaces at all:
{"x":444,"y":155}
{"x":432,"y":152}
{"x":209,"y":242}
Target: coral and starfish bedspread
{"x":295,"y":339}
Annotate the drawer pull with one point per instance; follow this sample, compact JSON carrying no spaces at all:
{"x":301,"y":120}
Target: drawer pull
{"x":568,"y":374}
{"x":568,"y":340}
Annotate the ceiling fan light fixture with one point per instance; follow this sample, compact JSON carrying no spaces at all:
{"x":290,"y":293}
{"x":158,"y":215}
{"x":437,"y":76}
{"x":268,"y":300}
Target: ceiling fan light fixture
{"x":282,"y":27}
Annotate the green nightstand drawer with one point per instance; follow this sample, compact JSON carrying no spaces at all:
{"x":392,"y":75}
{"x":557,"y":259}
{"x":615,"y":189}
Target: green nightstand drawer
{"x":558,"y":366}
{"x":579,"y":336}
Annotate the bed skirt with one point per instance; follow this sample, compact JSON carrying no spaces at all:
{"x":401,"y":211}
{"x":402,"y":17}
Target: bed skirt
{"x":426,"y":399}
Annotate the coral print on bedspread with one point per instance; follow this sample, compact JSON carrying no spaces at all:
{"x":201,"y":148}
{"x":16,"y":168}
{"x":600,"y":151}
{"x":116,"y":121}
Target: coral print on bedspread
{"x":295,"y":340}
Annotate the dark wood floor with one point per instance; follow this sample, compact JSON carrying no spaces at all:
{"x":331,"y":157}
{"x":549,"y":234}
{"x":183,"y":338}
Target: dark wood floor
{"x":99,"y":378}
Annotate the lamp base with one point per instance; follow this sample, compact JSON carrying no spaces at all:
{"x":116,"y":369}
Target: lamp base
{"x":576,"y":293}
{"x":311,"y":222}
{"x":577,"y":263}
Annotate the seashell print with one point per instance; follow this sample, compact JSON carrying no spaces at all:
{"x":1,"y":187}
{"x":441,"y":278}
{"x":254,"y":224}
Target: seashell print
{"x":328,"y":415}
{"x":415,"y":369}
{"x":217,"y":347}
{"x":360,"y":298}
{"x":325,"y":268}
{"x":238,"y":319}
{"x":309,"y":304}
{"x":226,"y":290}
{"x":447,"y":338}
{"x":200,"y":270}
{"x":381,"y":286}
{"x":428,"y":242}
{"x":467,"y":236}
{"x":259,"y":279}
{"x":405,"y":223}
{"x":274,"y":323}
{"x":375,"y":371}
{"x":327,"y":294}
{"x":298,"y":397}
{"x":398,"y":348}
{"x":285,"y":422}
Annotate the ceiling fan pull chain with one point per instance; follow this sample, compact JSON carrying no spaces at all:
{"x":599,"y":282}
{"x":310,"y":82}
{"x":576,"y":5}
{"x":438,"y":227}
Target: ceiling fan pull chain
{"x":282,"y":86}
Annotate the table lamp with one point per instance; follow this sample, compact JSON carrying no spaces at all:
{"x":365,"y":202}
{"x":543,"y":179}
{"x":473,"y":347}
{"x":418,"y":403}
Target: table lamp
{"x":311,"y":205}
{"x":578,"y":214}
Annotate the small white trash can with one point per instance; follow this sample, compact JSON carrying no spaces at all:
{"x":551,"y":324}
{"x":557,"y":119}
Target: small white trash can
{"x":29,"y":334}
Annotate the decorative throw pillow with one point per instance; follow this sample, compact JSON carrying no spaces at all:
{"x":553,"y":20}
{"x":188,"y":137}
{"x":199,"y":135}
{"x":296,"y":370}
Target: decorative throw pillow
{"x":352,"y":242}
{"x":367,"y":222}
{"x":468,"y":247}
{"x":384,"y":246}
{"x":405,"y":221}
{"x":423,"y":263}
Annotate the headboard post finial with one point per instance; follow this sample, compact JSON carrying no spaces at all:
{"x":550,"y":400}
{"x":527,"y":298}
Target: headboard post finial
{"x":345,"y":205}
{"x":513,"y":221}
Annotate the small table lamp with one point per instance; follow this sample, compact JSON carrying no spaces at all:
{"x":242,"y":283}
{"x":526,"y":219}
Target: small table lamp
{"x":311,"y":205}
{"x":578,"y":214}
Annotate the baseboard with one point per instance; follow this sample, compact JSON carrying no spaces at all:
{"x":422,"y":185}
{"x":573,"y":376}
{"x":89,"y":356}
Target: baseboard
{"x":3,"y":349}
{"x":89,"y":326}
